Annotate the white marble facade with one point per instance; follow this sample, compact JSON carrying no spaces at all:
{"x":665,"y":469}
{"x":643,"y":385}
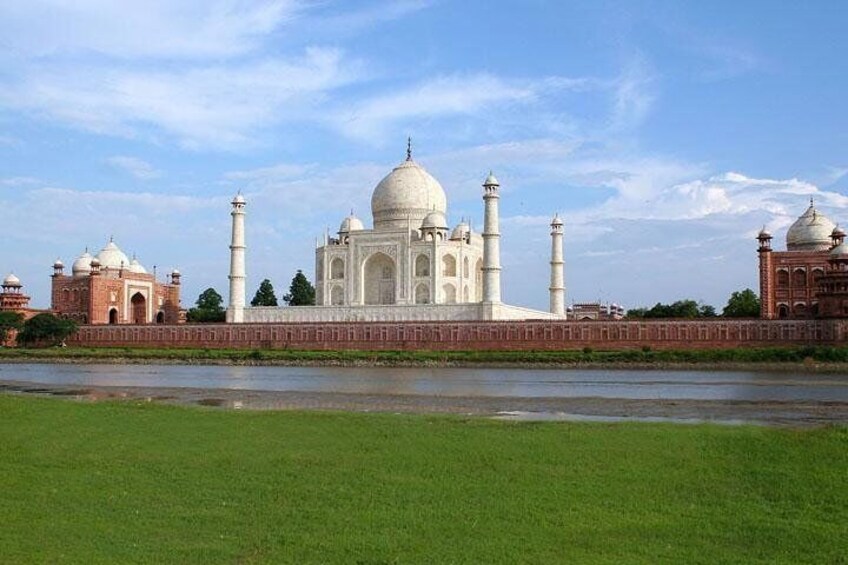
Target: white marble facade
{"x":409,"y":266}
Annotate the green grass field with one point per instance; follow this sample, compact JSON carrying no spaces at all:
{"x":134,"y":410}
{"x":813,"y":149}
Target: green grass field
{"x":137,"y":482}
{"x":818,"y":354}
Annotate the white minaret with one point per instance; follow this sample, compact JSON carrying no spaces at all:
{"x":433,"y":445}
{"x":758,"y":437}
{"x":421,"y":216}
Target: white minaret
{"x":235,"y":312}
{"x":491,"y":242}
{"x":557,"y":287}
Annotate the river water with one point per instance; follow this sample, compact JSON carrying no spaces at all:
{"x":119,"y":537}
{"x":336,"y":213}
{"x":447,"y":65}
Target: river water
{"x":452,"y":382}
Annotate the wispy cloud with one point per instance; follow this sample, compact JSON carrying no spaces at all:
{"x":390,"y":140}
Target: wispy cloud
{"x":216,"y":106}
{"x":139,"y":168}
{"x":154,"y":28}
{"x":633,"y":94}
{"x":446,"y":96}
{"x":19,"y":181}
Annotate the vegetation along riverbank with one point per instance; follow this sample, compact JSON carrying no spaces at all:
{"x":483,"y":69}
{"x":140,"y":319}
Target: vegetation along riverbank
{"x":797,"y":358}
{"x":155,"y":483}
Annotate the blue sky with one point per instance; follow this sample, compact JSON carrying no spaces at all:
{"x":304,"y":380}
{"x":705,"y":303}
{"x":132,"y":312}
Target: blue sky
{"x":664,"y":133}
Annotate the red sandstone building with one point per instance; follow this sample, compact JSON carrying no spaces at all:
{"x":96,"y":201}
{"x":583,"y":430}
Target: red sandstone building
{"x":13,"y":299}
{"x":111,"y":289}
{"x":810,"y":278}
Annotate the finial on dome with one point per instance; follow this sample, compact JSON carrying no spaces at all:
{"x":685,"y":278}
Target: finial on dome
{"x":111,"y":239}
{"x":409,"y":148}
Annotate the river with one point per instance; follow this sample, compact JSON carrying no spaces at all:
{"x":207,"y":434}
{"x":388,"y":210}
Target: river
{"x":452,"y":382}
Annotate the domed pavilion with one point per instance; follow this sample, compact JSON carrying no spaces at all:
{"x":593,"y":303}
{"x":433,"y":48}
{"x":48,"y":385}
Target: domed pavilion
{"x":111,"y":288}
{"x":804,"y":280}
{"x":410,"y":265}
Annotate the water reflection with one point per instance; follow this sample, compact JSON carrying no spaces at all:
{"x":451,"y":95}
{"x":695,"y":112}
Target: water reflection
{"x":536,"y":383}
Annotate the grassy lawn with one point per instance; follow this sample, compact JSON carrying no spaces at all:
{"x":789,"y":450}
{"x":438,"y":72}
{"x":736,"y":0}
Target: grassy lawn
{"x":129,"y":482}
{"x":819,"y":354}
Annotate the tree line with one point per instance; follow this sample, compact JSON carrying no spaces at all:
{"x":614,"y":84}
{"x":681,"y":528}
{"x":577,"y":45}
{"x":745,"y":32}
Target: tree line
{"x":209,"y":307}
{"x":41,"y":329}
{"x":741,"y":304}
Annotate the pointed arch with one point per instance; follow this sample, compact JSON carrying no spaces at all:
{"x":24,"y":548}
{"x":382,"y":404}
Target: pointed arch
{"x":379,"y":275}
{"x":422,"y":293}
{"x":448,"y":265}
{"x":422,"y":266}
{"x":449,"y":293}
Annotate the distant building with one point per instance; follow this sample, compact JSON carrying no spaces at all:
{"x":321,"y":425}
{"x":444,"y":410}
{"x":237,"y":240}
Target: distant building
{"x":109,"y":288}
{"x":595,"y":311}
{"x":13,"y":299}
{"x":810,"y":278}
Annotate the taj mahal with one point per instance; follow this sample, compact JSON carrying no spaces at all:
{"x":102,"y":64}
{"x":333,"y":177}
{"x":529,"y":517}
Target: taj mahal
{"x":409,"y":266}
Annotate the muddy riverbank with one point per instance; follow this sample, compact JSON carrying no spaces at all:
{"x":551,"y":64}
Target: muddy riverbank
{"x":780,"y":413}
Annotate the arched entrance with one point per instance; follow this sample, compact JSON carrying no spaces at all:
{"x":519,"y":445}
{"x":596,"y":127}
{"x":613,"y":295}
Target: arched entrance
{"x":139,"y":308}
{"x":378,"y":280}
{"x":113,"y":316}
{"x":160,"y":318}
{"x":337,"y":295}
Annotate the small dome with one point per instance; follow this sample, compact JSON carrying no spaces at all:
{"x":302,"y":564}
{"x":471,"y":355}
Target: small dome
{"x":764,"y":234}
{"x":136,"y":267}
{"x":175,"y":273}
{"x":408,"y":193}
{"x":111,"y":257}
{"x":351,"y":223}
{"x":556,"y":221}
{"x":491,"y":180}
{"x":434,"y":220}
{"x":82,"y":265}
{"x":841,"y":249}
{"x":238,"y":199}
{"x":837,"y":232}
{"x":95,"y":262}
{"x":810,"y":232}
{"x":57,"y":264}
{"x":461,"y":230}
{"x":12,"y":281}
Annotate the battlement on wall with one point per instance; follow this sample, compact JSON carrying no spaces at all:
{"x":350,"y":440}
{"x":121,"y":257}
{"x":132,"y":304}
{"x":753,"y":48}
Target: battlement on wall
{"x":466,"y":335}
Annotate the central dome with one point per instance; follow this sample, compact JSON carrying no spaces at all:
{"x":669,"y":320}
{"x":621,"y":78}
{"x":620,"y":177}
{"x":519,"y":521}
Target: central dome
{"x":405,"y":196}
{"x":810,"y":232}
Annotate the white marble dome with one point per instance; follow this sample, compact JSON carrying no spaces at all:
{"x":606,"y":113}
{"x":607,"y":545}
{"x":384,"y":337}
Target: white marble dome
{"x":460,"y":231}
{"x":407,"y":194}
{"x":810,"y":232}
{"x":351,"y":223}
{"x":12,"y":281}
{"x":434,"y":220}
{"x":82,"y":264}
{"x":841,"y":249}
{"x":111,"y":257}
{"x":136,"y":267}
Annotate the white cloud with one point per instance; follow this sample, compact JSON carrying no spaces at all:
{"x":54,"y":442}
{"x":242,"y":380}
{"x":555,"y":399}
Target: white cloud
{"x":138,"y":168}
{"x":221,"y":106}
{"x":634,"y":95}
{"x":443,"y":96}
{"x":153,"y":28}
{"x":19,"y":181}
{"x":357,"y":20}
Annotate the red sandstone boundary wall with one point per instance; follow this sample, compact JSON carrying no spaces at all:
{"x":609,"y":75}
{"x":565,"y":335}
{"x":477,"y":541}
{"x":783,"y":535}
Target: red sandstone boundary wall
{"x":501,"y":335}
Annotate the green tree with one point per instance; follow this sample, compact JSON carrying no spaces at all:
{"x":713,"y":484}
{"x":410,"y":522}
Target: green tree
{"x":742,"y":304}
{"x":707,"y":311}
{"x":301,"y":291}
{"x":686,"y":308}
{"x":209,"y":308}
{"x":45,"y":329}
{"x":9,"y":321}
{"x":264,"y":295}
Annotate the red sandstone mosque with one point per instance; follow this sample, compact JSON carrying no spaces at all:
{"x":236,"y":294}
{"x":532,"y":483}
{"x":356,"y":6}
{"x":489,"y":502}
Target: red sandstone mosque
{"x":810,"y":278}
{"x":109,"y":288}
